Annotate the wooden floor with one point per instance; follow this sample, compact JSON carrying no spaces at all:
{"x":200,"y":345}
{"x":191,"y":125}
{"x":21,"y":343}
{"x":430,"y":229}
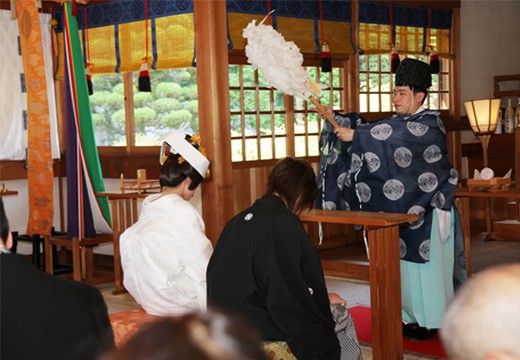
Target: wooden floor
{"x":488,"y":253}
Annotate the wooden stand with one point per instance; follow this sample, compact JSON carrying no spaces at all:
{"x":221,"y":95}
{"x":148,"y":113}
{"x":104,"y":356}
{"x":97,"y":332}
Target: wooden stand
{"x":495,"y":184}
{"x":383,"y":272}
{"x":141,"y":185}
{"x":82,"y":256}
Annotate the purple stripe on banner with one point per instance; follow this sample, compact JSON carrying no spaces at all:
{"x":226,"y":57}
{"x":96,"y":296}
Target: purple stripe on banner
{"x":73,"y":167}
{"x":71,"y":160}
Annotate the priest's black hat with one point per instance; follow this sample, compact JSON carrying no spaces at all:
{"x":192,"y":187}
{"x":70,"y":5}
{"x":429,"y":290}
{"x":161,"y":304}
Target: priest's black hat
{"x":413,"y":73}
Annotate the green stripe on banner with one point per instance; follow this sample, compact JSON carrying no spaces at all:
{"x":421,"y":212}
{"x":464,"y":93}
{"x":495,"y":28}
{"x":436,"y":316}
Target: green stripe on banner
{"x":85,"y":114}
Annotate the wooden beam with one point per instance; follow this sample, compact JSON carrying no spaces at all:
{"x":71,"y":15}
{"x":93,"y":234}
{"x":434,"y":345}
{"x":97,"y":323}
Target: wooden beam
{"x":214,"y":124}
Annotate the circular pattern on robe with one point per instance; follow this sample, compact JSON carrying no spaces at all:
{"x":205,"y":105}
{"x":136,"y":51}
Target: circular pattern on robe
{"x":424,"y":250}
{"x":432,"y":154}
{"x":381,"y":132}
{"x":348,"y":181}
{"x":355,"y":163}
{"x":416,"y":128}
{"x":333,"y":156}
{"x":329,"y":205}
{"x":343,"y":121}
{"x":248,"y":216}
{"x":419,"y":211}
{"x":438,"y":200}
{"x":454,"y":177}
{"x":403,"y":156}
{"x":363,"y":191}
{"x":427,"y":182}
{"x":373,"y":161}
{"x":341,"y":180}
{"x":393,"y":189}
{"x":402,"y":248}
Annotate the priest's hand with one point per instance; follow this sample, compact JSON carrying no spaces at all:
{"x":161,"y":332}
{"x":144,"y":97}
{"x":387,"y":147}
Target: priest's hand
{"x":325,"y":110}
{"x":344,"y":134}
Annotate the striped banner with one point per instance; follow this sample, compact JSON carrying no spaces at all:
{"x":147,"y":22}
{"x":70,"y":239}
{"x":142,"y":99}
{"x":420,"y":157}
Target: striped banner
{"x":40,"y":176}
{"x":87,"y":214}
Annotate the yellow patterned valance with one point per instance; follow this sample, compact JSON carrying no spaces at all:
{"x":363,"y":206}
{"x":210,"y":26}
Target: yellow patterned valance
{"x":113,"y":35}
{"x":412,"y":28}
{"x":376,"y":39}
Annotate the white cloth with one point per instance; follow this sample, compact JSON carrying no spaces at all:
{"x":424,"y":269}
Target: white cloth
{"x":165,"y":255}
{"x":13,"y":101}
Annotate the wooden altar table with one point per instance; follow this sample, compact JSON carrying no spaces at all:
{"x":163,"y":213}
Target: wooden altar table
{"x":383,"y":272}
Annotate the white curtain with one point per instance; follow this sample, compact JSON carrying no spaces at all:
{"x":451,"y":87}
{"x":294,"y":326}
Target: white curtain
{"x":13,"y":98}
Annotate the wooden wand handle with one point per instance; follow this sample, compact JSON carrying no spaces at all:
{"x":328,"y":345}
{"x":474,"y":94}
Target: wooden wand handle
{"x":323,"y":111}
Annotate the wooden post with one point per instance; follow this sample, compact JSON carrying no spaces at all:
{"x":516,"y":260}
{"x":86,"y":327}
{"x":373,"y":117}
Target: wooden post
{"x":517,"y":169}
{"x":214,"y":123}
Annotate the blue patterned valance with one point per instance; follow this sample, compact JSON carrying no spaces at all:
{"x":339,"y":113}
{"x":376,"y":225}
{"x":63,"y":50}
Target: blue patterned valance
{"x":332,"y":10}
{"x":379,"y":13}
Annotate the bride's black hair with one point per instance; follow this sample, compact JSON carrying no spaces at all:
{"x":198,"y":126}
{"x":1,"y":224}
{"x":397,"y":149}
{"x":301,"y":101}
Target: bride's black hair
{"x":175,"y":169}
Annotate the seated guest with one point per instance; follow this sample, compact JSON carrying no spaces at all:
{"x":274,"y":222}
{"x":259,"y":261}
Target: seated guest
{"x":483,"y":320}
{"x":199,"y":335}
{"x":46,"y":317}
{"x":266,"y":268}
{"x":164,"y":255}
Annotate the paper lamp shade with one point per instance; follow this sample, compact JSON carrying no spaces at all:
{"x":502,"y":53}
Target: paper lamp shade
{"x":482,"y":115}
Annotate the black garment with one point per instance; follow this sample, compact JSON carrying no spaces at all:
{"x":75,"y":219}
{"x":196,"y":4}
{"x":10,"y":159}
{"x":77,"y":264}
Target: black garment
{"x":45,"y":317}
{"x":265,"y":268}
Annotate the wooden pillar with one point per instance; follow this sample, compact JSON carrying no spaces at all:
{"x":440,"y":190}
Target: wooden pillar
{"x":351,"y":69}
{"x":214,"y":125}
{"x":516,"y":174}
{"x":453,"y":138}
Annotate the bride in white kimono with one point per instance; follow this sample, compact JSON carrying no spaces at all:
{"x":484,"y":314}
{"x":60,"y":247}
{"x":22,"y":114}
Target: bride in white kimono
{"x":165,"y":253}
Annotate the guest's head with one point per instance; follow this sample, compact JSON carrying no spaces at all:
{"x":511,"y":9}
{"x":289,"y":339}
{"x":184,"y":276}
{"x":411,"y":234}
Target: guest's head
{"x":482,"y":322}
{"x":186,"y":160}
{"x":6,"y":238}
{"x":211,"y":335}
{"x":294,"y":181}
